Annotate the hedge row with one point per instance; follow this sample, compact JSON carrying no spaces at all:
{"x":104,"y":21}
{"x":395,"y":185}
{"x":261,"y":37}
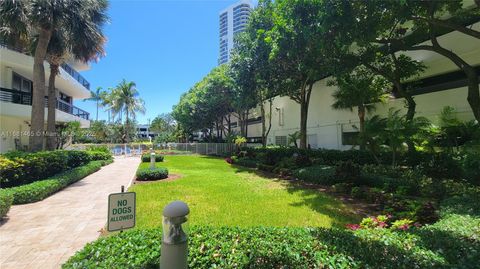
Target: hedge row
{"x":152,"y":174}
{"x":40,"y":190}
{"x":6,"y":200}
{"x":19,"y":168}
{"x":146,"y":158}
{"x":451,"y":243}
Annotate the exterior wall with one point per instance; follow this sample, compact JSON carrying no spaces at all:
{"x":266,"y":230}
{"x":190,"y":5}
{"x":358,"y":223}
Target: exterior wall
{"x":12,"y":128}
{"x":325,"y":125}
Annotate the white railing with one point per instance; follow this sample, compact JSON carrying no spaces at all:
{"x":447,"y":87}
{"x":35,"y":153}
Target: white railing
{"x":217,"y":149}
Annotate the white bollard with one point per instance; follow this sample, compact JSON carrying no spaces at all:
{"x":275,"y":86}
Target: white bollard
{"x":152,"y":160}
{"x":174,"y":251}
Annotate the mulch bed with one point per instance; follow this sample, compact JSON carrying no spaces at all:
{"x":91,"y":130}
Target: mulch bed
{"x":171,"y":177}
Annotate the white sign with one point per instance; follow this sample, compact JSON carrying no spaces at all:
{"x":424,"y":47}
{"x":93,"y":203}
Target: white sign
{"x":121,"y":211}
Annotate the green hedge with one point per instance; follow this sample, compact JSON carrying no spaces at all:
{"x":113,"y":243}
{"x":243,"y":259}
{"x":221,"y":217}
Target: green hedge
{"x":152,"y":174}
{"x":40,"y":190}
{"x":268,"y":247}
{"x":20,"y":168}
{"x":146,"y":158}
{"x":319,"y":174}
{"x":6,"y":200}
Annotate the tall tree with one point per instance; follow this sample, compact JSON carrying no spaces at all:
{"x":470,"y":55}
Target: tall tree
{"x":297,"y":53}
{"x":44,"y":19}
{"x":97,"y":97}
{"x":126,"y":100}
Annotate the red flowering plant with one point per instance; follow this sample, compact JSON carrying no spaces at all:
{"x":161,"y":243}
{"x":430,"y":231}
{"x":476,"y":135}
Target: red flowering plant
{"x":229,"y":160}
{"x":383,"y":221}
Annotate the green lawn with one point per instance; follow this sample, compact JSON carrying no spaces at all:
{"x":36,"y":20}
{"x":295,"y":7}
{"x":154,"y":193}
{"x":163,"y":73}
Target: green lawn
{"x":219,"y":194}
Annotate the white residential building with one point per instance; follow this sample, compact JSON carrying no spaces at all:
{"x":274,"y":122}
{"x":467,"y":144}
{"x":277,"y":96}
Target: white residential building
{"x":442,"y":84}
{"x":233,"y":20}
{"x":16,"y":75}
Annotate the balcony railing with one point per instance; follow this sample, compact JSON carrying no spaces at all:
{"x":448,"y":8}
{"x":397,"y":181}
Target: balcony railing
{"x":76,"y":75}
{"x":25,"y":98}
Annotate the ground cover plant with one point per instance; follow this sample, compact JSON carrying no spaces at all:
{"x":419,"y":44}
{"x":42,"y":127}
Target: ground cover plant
{"x":223,"y":195}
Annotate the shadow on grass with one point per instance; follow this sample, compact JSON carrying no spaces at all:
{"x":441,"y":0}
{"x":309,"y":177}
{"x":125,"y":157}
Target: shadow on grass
{"x":312,"y":197}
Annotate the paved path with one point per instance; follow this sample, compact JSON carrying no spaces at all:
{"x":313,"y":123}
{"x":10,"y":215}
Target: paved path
{"x":45,"y":234}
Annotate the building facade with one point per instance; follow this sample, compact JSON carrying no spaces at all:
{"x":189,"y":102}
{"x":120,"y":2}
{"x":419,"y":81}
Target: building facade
{"x":442,"y":84}
{"x":232,"y":20}
{"x":16,"y":75}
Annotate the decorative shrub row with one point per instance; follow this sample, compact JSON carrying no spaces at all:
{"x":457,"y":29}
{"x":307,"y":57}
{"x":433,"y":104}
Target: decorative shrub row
{"x":40,"y":190}
{"x":436,"y":165}
{"x":6,"y":200}
{"x":19,"y":168}
{"x":146,"y":158}
{"x":152,"y":174}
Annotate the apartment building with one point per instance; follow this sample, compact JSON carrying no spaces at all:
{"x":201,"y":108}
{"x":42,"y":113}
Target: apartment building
{"x":16,"y":75}
{"x":442,"y":84}
{"x":232,"y":20}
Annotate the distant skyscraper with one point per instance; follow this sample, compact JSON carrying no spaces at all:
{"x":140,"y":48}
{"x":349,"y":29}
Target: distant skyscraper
{"x":233,"y":19}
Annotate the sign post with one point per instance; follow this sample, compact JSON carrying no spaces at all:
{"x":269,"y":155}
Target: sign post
{"x":121,"y":211}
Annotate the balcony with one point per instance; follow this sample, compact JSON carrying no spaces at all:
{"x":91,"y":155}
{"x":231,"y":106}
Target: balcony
{"x":25,"y":98}
{"x":76,"y":75}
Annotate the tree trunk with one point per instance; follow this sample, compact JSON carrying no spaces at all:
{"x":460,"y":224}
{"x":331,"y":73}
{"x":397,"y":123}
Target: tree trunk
{"x":264,"y":128}
{"x":246,"y":124}
{"x":305,"y":100}
{"x":38,"y":94}
{"x":52,"y":103}
{"x":361,"y":117}
{"x":126,"y":125}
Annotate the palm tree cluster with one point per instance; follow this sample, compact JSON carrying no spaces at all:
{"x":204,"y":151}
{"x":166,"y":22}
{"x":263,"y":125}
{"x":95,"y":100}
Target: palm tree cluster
{"x":52,"y":31}
{"x":120,"y":101}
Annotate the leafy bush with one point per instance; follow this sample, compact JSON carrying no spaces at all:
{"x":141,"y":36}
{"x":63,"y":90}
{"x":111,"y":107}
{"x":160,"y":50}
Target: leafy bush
{"x":470,"y":163}
{"x":6,"y":200}
{"x":347,"y":171}
{"x":40,"y":190}
{"x":321,"y":174}
{"x":146,"y":158}
{"x":247,"y":162}
{"x":269,"y":247}
{"x":99,"y":155}
{"x":152,"y":174}
{"x":19,"y":168}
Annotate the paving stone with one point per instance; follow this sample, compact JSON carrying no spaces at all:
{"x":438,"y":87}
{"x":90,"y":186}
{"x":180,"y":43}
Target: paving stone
{"x":46,"y":233}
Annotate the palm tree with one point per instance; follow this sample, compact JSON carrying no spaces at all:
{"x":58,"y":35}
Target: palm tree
{"x":125,"y":99}
{"x":44,"y":19}
{"x":360,"y":89}
{"x":96,"y":96}
{"x":83,"y":25}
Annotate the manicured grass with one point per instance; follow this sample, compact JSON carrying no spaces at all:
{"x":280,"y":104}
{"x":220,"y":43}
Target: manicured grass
{"x":221,"y":195}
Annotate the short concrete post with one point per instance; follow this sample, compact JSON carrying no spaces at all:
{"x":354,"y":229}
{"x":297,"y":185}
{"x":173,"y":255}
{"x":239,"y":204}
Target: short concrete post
{"x":174,"y":250}
{"x":152,"y":160}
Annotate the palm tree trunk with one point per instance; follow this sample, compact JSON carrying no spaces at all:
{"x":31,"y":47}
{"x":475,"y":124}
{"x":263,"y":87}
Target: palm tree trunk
{"x":126,"y":125}
{"x":361,"y":117}
{"x":38,"y":94}
{"x":96,"y":118}
{"x":52,"y":103}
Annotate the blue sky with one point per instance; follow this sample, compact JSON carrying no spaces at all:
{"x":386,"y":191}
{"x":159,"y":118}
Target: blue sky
{"x":163,"y":46}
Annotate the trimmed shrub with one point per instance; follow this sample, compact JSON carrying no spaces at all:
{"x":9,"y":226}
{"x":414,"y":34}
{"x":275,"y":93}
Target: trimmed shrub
{"x":99,"y":155}
{"x":347,"y":171}
{"x":247,"y":162}
{"x":320,"y":174}
{"x":152,"y":174}
{"x":40,"y":190}
{"x":146,"y":158}
{"x":6,"y":200}
{"x":22,"y":168}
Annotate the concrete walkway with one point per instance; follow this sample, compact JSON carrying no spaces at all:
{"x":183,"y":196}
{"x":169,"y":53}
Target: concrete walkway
{"x":45,"y":234}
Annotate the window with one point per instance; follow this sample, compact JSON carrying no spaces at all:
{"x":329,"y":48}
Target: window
{"x":281,"y":140}
{"x":349,"y":138}
{"x":20,"y":83}
{"x":65,"y":98}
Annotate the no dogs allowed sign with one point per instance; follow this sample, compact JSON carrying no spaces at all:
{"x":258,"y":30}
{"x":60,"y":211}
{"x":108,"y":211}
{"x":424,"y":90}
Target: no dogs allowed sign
{"x":121,"y":211}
